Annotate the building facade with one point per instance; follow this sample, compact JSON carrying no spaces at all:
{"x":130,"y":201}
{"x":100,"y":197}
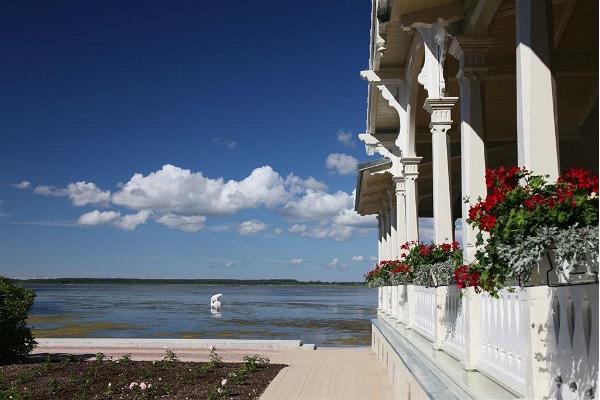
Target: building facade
{"x":455,"y":87}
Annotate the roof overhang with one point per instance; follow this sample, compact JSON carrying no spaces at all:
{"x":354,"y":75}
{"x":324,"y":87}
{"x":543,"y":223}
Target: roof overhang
{"x":372,"y":182}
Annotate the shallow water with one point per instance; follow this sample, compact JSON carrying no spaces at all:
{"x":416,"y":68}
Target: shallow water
{"x":324,"y":315}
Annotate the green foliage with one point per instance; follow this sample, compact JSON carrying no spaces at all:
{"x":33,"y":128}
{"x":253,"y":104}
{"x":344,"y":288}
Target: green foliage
{"x":215,"y":358}
{"x":419,"y":264}
{"x":16,"y":339}
{"x":125,"y":359}
{"x":170,"y":356}
{"x":524,"y":216}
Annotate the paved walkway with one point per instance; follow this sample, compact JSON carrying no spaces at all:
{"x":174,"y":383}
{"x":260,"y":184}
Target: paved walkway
{"x":329,"y":374}
{"x":325,"y":373}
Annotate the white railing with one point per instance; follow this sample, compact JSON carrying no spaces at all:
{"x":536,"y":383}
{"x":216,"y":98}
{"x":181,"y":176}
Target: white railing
{"x":503,"y":337}
{"x":574,"y":344}
{"x":536,"y":342}
{"x":425,"y":311}
{"x":402,"y":304}
{"x":455,"y":339}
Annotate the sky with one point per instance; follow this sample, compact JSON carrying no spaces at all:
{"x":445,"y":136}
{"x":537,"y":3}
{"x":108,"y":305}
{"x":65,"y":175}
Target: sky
{"x":183,"y":139}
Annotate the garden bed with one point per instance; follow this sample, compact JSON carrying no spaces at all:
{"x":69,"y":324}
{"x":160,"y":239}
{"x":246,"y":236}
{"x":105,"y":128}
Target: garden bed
{"x":69,"y":378}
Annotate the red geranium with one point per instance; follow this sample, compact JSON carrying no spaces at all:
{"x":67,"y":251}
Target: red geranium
{"x":465,"y":278}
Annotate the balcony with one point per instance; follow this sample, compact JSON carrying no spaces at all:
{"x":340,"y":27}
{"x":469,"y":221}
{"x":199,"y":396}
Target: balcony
{"x":534,"y":342}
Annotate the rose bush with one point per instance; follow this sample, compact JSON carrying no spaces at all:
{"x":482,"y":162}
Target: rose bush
{"x":524,"y":216}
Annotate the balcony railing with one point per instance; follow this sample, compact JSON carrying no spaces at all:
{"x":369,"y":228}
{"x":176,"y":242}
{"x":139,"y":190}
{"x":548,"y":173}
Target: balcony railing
{"x":534,"y":342}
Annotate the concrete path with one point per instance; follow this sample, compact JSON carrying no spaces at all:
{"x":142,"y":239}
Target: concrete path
{"x":325,"y":373}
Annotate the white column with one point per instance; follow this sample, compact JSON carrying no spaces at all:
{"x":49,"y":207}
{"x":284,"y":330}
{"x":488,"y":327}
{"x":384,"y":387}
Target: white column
{"x":470,"y":52}
{"x":388,"y":229}
{"x":411,"y":174}
{"x":379,"y":238}
{"x":536,"y":111}
{"x":400,"y":183}
{"x":441,"y":122}
{"x":394,"y":234}
{"x":384,"y":242}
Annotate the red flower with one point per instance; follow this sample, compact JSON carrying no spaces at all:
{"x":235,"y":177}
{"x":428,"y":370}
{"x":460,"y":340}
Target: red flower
{"x":464,"y":278}
{"x":533,"y":202}
{"x":487,"y":222}
{"x":455,"y":245}
{"x":401,"y":269}
{"x":581,"y":178}
{"x":425,"y":250}
{"x":493,"y":200}
{"x":447,"y":247}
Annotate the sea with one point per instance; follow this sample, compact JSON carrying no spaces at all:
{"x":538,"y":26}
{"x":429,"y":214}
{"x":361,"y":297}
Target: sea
{"x":326,"y":315}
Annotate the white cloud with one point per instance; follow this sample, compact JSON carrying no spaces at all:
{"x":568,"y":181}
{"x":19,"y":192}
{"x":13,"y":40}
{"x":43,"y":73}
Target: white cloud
{"x":373,"y":258}
{"x":336,"y":264}
{"x":45,"y":190}
{"x":176,"y":190}
{"x":345,"y":138}
{"x":83,"y":193}
{"x":358,"y":258}
{"x":340,"y":163}
{"x":127,"y":222}
{"x":296,"y":185}
{"x":182,"y":199}
{"x":80,"y":193}
{"x":131,"y":221}
{"x":98,"y":217}
{"x":22,"y":185}
{"x":297,"y":228}
{"x":251,"y":227}
{"x":228,"y":264}
{"x":297,"y":261}
{"x":352,"y":218}
{"x":318,"y":205}
{"x":186,"y":223}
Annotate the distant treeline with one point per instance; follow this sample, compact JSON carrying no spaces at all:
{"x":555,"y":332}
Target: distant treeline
{"x":66,"y":281}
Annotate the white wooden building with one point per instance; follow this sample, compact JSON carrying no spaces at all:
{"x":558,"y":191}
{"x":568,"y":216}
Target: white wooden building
{"x":455,"y":87}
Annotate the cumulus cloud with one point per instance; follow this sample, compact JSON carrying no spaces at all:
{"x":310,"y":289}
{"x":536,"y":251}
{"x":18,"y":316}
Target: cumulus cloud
{"x":358,"y":258}
{"x":186,"y":223}
{"x":352,"y":218}
{"x":97,"y":217}
{"x":340,"y":163}
{"x":182,"y":199}
{"x":45,"y":190}
{"x":22,"y":185}
{"x":296,"y":185}
{"x":336,"y":264}
{"x":80,"y":193}
{"x":127,"y":222}
{"x":83,"y":193}
{"x":180,"y":191}
{"x":373,"y":258}
{"x":296,"y":261}
{"x":318,"y":205}
{"x":251,"y":227}
{"x":345,"y":138}
{"x":131,"y":221}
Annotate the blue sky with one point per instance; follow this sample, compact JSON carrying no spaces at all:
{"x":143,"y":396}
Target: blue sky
{"x":187,"y":140}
